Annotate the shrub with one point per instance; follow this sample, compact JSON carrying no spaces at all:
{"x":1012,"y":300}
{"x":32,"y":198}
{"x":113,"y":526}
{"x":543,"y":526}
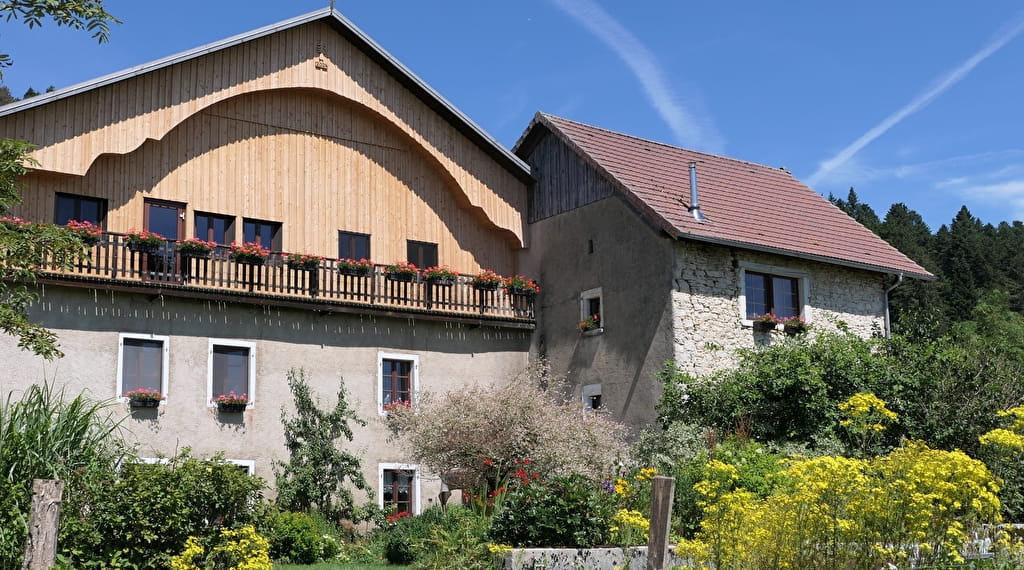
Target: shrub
{"x":241,"y":549}
{"x":458,"y":540}
{"x":484,"y":430}
{"x":406,"y":535}
{"x":299,"y":538}
{"x":569,"y":511}
{"x":46,"y":436}
{"x":914,"y":506}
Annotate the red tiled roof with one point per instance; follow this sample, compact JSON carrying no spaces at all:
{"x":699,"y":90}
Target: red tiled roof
{"x":747,"y":205}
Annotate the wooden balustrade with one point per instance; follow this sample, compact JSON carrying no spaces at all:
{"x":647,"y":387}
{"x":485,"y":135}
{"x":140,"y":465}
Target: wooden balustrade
{"x":112,"y":260}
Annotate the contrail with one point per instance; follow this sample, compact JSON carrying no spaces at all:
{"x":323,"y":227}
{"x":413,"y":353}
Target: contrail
{"x":686,"y":128}
{"x":919,"y":102}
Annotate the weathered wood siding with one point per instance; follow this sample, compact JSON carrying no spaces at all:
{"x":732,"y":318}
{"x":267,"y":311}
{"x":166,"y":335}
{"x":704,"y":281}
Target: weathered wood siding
{"x":564,"y":181}
{"x":257,"y":130}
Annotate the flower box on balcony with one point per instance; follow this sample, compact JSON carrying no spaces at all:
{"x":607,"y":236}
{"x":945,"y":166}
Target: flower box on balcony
{"x":403,"y":271}
{"x":88,"y":232}
{"x":197,"y":248}
{"x":519,"y":286}
{"x":144,"y":241}
{"x":441,"y":275}
{"x":486,"y":280}
{"x":357,"y":268}
{"x":249,"y":253}
{"x":303,"y":261}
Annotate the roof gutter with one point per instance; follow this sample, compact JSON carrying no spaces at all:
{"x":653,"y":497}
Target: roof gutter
{"x":888,"y":320}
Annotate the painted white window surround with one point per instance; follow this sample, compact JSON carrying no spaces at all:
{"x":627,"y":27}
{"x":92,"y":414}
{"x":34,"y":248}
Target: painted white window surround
{"x":228,"y":370}
{"x":129,"y":365}
{"x":804,"y":287}
{"x":386,"y":387}
{"x":403,"y":468}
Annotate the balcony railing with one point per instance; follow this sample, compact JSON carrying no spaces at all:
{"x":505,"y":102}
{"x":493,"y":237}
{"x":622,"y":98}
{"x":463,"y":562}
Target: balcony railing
{"x":113,"y":262}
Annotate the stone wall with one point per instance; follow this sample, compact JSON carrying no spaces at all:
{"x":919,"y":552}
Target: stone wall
{"x":708,"y":316}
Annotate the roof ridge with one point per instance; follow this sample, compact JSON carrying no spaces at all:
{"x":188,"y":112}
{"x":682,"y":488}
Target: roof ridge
{"x":664,"y":144}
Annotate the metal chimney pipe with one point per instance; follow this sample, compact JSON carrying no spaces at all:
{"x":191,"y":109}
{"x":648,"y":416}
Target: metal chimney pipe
{"x":694,"y":208}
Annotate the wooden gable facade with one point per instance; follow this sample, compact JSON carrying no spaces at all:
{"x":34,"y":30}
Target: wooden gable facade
{"x":307,"y":128}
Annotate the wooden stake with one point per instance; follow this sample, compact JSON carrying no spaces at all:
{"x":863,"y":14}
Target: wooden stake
{"x":44,"y":518}
{"x":662,"y":492}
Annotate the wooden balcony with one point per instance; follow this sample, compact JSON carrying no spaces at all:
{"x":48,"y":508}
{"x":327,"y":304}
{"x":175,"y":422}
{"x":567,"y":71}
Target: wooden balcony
{"x":112,"y":264}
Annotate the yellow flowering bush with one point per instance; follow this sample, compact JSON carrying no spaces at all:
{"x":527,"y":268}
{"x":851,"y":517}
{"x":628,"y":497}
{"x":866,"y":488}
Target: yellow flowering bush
{"x":1007,"y":439}
{"x":841,"y":512}
{"x":241,"y":549}
{"x":866,"y":416}
{"x":629,"y":528}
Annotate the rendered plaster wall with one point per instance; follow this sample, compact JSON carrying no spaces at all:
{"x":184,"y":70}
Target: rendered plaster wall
{"x":605,"y":245}
{"x":329,"y":347}
{"x":708,"y":313}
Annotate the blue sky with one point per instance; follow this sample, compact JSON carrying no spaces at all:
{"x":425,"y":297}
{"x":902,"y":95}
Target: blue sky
{"x":915,"y":102}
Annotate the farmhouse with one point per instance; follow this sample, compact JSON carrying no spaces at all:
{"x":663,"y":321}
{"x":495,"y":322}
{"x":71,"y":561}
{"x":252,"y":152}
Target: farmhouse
{"x":309,"y":140}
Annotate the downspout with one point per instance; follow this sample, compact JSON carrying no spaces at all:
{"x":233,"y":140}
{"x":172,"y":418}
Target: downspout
{"x":888,"y":323}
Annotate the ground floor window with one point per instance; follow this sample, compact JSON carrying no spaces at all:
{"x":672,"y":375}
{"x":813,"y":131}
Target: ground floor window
{"x":398,"y":488}
{"x":231,"y":370}
{"x":142,"y":363}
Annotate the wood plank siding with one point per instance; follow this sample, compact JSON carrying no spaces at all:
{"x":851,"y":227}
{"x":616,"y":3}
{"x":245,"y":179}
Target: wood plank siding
{"x":257,"y":130}
{"x":564,"y":181}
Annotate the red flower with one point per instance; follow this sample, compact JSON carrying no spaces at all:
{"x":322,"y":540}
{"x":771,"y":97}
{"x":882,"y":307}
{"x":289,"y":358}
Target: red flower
{"x":488,"y":462}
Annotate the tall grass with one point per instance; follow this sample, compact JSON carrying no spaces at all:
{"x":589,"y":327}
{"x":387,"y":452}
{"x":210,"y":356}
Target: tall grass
{"x":44,"y":435}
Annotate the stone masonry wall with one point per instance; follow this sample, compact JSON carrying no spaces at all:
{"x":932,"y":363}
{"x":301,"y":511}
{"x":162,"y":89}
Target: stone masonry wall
{"x":708,"y":320}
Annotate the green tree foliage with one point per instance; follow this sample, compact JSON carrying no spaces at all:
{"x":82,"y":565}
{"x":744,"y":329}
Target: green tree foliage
{"x":89,"y":15}
{"x":315,"y":475}
{"x":858,"y":210}
{"x":43,"y":435}
{"x":142,"y":514}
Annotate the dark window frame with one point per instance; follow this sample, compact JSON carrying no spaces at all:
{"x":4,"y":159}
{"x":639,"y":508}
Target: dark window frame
{"x":422,"y":254}
{"x":276,"y":229}
{"x":392,"y":482}
{"x":210,"y":233}
{"x":765,"y":298}
{"x":221,"y":382}
{"x":351,"y":245}
{"x":76,"y":205}
{"x":390,"y":382}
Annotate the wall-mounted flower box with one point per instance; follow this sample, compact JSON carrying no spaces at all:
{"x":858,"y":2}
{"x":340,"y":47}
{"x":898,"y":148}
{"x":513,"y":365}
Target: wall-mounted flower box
{"x":227,"y":408}
{"x":144,"y":398}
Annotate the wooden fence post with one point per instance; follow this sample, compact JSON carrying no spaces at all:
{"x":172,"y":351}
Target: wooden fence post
{"x":44,"y":518}
{"x":662,"y":491}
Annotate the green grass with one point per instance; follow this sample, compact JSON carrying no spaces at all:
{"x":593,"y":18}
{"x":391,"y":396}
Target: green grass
{"x":338,"y":566}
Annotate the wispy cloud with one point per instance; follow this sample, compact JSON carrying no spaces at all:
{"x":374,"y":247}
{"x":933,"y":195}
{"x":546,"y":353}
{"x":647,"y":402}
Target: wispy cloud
{"x":922,"y":100}
{"x":687,"y":128}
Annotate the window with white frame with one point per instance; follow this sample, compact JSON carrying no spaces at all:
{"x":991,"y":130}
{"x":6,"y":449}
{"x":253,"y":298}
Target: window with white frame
{"x":591,"y":395}
{"x":399,"y":486}
{"x":142,"y":362}
{"x":247,"y":466}
{"x":398,"y":379}
{"x":769,"y":289}
{"x":590,"y":307}
{"x":231,"y":368}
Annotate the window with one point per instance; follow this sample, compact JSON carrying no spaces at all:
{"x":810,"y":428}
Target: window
{"x":81,"y":208}
{"x":247,"y":466}
{"x":399,"y":487}
{"x":590,"y":306}
{"x":591,"y":396}
{"x":773,"y":290}
{"x":215,"y":228}
{"x":142,"y":363}
{"x":231,"y":367}
{"x":421,"y":254}
{"x":398,"y":378}
{"x":267,"y":234}
{"x":353,"y":246}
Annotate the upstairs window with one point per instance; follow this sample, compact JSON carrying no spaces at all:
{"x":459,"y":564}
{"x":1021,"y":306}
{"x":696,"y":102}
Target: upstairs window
{"x":231,"y":368}
{"x":398,"y":379}
{"x":421,"y":254}
{"x":215,"y":227}
{"x":768,"y":293}
{"x":69,"y":207}
{"x":590,"y":306}
{"x":142,"y":363}
{"x":267,"y":234}
{"x":353,"y":246}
